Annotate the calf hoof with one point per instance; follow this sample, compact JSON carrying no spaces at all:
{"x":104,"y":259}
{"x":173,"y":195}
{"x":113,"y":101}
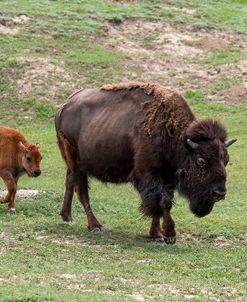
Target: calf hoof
{"x":170,"y":240}
{"x":12,"y":211}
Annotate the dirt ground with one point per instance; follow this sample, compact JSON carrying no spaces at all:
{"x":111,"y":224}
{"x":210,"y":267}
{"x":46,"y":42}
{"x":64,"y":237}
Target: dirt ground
{"x":21,"y":193}
{"x":11,"y":26}
{"x":171,"y":55}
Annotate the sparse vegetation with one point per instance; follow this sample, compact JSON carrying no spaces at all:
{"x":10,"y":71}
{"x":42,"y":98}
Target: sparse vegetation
{"x":62,"y":46}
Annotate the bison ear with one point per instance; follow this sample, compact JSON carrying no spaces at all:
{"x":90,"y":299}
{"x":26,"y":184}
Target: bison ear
{"x":22,"y":147}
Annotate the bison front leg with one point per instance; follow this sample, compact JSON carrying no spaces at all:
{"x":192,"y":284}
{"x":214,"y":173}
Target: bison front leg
{"x":11,"y":185}
{"x":168,"y":224}
{"x":157,"y":202}
{"x":156,"y":231}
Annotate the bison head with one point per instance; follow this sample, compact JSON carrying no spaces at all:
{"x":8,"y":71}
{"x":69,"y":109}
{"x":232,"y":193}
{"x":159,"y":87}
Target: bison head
{"x":30,"y":158}
{"x":202,"y":177}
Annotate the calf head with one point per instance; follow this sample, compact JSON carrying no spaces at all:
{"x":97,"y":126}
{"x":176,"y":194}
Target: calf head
{"x":30,"y":159}
{"x":202,"y":177}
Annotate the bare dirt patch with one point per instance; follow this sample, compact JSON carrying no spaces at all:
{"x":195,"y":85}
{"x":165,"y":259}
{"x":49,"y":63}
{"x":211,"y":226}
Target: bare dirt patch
{"x":11,"y":26}
{"x":77,"y":281}
{"x":222,"y":241}
{"x":236,"y":94}
{"x":188,"y":238}
{"x":210,"y":43}
{"x":170,"y":54}
{"x":42,"y":79}
{"x":21,"y":193}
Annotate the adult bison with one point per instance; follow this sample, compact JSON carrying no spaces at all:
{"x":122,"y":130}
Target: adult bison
{"x":17,"y":157}
{"x":145,"y":134}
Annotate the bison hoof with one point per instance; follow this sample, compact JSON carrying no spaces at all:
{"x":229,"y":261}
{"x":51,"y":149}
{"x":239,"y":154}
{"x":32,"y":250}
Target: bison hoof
{"x":67,"y":219}
{"x":170,"y":240}
{"x":159,"y":239}
{"x":68,"y":222}
{"x":96,"y":229}
{"x":12,"y":211}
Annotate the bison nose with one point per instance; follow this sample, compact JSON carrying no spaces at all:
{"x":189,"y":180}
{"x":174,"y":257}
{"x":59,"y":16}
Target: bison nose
{"x":37,"y":172}
{"x":219,"y":192}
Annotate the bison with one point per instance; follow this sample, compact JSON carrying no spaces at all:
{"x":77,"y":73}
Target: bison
{"x":145,"y":134}
{"x":17,"y":156}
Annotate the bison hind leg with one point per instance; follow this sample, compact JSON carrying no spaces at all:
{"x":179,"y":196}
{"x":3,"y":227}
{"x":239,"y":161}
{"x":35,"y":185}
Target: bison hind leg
{"x":68,"y":196}
{"x":82,"y":193}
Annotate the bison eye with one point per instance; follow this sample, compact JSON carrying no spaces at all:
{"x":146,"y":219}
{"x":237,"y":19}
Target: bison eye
{"x":28,"y":158}
{"x":201,"y":161}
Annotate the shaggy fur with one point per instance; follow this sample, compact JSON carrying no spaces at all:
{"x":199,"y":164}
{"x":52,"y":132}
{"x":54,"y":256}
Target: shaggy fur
{"x":166,"y":113}
{"x":138,"y":132}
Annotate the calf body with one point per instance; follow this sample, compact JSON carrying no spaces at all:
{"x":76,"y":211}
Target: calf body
{"x":145,"y":134}
{"x":17,"y":157}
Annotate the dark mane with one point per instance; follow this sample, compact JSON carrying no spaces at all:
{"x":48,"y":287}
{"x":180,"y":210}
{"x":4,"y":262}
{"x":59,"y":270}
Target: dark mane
{"x":204,"y":130}
{"x":166,"y":113}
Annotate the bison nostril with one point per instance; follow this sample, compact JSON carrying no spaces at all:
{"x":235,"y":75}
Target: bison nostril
{"x":37,"y":172}
{"x":219,"y":192}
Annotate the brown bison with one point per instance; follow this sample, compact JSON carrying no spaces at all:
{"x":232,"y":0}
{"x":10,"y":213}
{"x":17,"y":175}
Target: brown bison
{"x":17,"y":156}
{"x":145,"y":134}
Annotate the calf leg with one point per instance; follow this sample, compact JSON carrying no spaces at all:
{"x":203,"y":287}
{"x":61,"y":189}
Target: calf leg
{"x":11,"y":185}
{"x":82,"y":193}
{"x":68,"y":196}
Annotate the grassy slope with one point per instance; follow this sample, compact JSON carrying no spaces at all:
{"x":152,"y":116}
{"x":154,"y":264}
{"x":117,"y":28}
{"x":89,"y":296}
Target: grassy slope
{"x":45,"y":260}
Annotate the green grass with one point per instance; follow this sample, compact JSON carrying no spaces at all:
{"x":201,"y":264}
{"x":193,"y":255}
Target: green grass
{"x":43,"y":259}
{"x":224,"y":57}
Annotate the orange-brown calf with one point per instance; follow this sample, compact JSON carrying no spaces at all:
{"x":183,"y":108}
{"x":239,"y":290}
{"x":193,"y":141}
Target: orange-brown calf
{"x":17,"y":157}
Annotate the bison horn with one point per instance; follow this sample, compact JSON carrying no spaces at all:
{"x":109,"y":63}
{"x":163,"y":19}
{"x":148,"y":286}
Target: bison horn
{"x":192,"y":144}
{"x":229,"y":143}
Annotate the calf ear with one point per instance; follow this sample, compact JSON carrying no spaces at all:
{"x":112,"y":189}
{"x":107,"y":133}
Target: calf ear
{"x":38,"y":146}
{"x":22,"y":147}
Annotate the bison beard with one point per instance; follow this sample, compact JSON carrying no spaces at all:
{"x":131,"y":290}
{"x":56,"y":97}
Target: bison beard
{"x":145,"y":134}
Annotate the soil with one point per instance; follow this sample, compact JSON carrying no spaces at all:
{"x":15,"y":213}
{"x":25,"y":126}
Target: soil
{"x":236,"y":94}
{"x":170,"y":55}
{"x":43,"y":79}
{"x":11,"y":26}
{"x":21,"y":193}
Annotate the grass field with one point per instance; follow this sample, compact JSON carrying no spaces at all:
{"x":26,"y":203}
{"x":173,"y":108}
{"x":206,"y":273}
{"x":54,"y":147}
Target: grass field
{"x":48,"y":49}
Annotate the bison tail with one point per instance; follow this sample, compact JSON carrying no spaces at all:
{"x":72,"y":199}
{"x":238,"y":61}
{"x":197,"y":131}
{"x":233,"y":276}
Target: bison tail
{"x":68,"y":151}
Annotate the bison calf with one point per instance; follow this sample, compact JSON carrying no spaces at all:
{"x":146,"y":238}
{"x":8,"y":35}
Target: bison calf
{"x":17,"y":157}
{"x":145,"y":134}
